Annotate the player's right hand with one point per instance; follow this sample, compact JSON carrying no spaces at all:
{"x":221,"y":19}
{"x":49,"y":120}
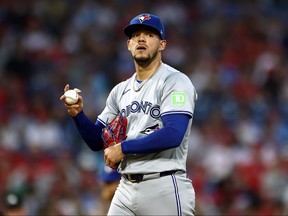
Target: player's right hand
{"x":76,"y":108}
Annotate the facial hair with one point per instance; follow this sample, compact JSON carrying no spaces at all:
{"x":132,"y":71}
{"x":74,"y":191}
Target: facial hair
{"x":144,"y":61}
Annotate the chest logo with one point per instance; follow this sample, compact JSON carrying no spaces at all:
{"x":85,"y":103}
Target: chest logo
{"x":144,"y":107}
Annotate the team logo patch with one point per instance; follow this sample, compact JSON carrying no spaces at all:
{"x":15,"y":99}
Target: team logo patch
{"x":142,"y":18}
{"x":178,"y":98}
{"x":150,"y":130}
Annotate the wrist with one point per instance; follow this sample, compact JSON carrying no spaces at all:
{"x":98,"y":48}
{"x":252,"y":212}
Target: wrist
{"x":121,"y":153}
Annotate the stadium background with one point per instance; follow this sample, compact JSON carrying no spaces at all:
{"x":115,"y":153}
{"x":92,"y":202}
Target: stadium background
{"x":235,"y":53}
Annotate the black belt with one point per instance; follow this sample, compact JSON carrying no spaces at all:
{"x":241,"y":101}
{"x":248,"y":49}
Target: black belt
{"x":142,"y":177}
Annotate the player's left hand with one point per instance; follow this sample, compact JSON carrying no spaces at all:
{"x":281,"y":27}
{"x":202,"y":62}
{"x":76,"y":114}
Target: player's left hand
{"x":113,"y":155}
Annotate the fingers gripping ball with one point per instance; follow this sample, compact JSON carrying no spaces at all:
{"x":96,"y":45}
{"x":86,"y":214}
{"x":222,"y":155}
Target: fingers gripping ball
{"x":71,"y":97}
{"x":115,"y":131}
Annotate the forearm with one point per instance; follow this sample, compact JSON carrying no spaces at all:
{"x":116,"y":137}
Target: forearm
{"x":170,"y":136}
{"x":89,"y":131}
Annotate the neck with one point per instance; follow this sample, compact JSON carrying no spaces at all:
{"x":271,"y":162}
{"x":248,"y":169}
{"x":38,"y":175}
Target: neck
{"x":144,"y":71}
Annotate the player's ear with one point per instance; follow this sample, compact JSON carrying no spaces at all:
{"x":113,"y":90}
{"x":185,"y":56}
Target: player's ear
{"x":162,"y":44}
{"x":128,"y":43}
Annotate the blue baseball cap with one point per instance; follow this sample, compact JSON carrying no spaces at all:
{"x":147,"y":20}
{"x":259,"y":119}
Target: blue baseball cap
{"x":145,"y":19}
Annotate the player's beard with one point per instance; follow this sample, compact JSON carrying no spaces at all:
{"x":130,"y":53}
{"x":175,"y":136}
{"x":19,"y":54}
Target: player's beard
{"x":145,"y":60}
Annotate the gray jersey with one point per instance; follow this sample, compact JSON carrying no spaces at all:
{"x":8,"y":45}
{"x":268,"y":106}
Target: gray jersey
{"x":167,"y":91}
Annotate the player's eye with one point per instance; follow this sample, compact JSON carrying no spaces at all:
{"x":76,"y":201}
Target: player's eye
{"x":134,"y":35}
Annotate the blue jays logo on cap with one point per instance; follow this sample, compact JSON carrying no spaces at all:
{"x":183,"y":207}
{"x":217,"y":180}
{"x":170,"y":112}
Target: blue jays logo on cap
{"x":142,"y":18}
{"x":148,"y":20}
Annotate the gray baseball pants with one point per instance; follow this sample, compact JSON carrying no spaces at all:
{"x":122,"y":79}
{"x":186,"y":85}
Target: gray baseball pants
{"x":168,"y":195}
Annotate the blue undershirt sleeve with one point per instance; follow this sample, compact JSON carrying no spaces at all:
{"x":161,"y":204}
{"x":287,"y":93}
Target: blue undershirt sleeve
{"x":91,"y":132}
{"x":170,"y":136}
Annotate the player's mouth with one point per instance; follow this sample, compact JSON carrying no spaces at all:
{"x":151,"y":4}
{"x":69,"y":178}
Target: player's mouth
{"x":141,"y":47}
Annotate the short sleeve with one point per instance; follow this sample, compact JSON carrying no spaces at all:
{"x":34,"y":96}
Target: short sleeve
{"x":178,"y":95}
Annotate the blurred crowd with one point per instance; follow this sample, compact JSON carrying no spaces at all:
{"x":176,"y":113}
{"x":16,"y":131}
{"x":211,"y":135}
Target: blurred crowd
{"x":236,"y":54}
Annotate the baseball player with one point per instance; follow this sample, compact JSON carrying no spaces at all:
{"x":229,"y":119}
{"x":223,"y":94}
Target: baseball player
{"x":158,"y":102}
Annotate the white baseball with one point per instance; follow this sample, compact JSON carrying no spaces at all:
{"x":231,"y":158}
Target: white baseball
{"x":71,"y":97}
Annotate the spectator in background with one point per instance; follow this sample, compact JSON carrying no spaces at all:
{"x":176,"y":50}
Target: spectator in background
{"x":110,"y":179}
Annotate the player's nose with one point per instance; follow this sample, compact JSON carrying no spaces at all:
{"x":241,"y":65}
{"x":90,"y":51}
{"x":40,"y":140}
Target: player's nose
{"x":141,"y":37}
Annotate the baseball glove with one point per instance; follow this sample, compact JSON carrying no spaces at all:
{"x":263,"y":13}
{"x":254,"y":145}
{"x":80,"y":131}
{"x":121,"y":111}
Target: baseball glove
{"x":115,"y":131}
